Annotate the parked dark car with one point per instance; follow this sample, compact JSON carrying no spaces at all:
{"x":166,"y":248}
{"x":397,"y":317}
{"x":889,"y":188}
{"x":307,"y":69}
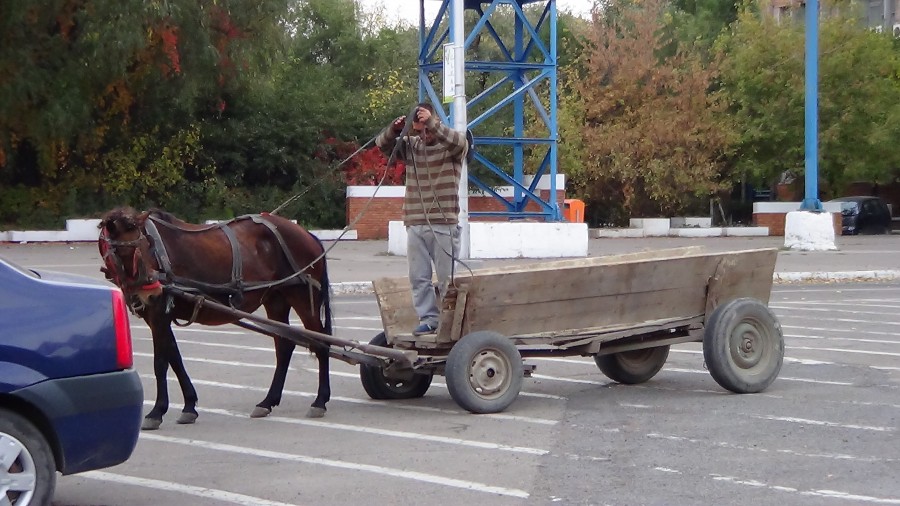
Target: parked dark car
{"x":70,"y":399}
{"x":864,"y":215}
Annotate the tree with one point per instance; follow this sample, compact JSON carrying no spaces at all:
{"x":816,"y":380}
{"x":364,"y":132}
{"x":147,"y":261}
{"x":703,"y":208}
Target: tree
{"x":701,"y":21}
{"x":104,"y":93}
{"x":859,"y":99}
{"x":655,"y":143}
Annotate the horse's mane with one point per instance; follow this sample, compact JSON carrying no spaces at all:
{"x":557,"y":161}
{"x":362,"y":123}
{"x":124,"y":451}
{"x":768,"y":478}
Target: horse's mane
{"x":124,"y":216}
{"x":164,"y":215}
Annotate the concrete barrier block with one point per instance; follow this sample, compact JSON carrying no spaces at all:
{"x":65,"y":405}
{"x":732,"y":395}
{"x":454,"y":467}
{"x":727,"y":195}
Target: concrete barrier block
{"x":83,"y":229}
{"x":616,"y":233}
{"x":746,"y":231}
{"x":696,"y":232}
{"x":39,"y":236}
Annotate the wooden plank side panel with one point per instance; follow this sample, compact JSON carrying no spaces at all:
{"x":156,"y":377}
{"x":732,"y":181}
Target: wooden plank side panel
{"x":395,"y":303}
{"x":584,"y":262}
{"x":748,"y":275}
{"x":624,"y":293}
{"x":600,"y":311}
{"x":544,"y":285}
{"x":575,"y":284}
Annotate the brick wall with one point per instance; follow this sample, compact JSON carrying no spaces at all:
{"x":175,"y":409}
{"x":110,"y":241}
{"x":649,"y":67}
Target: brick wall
{"x":775,"y":222}
{"x":374,"y":221}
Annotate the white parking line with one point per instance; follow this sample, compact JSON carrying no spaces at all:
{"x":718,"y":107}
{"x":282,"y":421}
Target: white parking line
{"x":823,"y":423}
{"x":845,"y":350}
{"x":204,"y":492}
{"x":415,"y":436}
{"x":828,"y":494}
{"x":820,"y":318}
{"x":796,"y":304}
{"x":854,"y":331}
{"x":691,"y":371}
{"x":444,"y":385}
{"x":832,"y":310}
{"x":389,"y":404}
{"x":757,"y":449}
{"x":392,"y":473}
{"x":851,"y":339}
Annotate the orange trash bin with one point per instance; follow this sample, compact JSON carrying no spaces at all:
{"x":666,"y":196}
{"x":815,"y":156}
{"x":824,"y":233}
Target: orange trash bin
{"x":573,"y":210}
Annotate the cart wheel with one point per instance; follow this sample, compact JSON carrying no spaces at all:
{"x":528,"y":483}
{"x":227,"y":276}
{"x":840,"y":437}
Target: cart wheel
{"x":743,"y":346}
{"x":484,"y":372}
{"x":633,"y":367}
{"x":380,"y":387}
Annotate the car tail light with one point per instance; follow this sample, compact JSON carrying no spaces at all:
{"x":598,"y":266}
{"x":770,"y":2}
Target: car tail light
{"x":124,"y":357}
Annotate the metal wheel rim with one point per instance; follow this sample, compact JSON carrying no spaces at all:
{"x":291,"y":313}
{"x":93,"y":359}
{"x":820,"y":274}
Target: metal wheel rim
{"x":489,"y":373}
{"x":19,"y":477}
{"x":750,"y":344}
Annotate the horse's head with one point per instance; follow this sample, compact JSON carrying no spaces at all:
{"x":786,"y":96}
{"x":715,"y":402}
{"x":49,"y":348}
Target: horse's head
{"x":126,"y":254}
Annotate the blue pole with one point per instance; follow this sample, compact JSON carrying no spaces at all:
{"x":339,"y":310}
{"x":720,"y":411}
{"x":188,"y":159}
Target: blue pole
{"x":811,"y":201}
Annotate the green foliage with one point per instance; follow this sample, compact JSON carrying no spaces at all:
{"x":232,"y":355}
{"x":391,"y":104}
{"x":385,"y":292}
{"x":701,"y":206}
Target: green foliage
{"x":859,"y":99}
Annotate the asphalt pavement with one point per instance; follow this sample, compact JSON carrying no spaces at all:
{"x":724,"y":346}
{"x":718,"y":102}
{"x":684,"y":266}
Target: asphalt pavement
{"x":354,"y":264}
{"x":858,"y":258}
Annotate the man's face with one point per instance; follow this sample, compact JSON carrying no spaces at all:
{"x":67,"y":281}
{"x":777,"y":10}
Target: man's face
{"x":423,"y":132}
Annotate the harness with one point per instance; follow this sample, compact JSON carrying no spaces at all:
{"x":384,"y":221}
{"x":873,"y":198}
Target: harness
{"x":231,"y":292}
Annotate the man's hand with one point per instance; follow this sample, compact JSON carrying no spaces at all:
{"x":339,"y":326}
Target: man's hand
{"x":397,"y":125}
{"x":422,"y":115}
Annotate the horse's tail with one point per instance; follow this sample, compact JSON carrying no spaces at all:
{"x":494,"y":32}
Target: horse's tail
{"x":325,"y":291}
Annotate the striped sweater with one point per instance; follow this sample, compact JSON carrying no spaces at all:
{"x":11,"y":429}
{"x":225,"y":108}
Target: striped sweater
{"x":432,"y":173}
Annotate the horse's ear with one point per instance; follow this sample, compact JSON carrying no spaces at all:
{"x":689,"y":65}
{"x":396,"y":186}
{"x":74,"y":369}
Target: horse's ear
{"x":141,"y":218}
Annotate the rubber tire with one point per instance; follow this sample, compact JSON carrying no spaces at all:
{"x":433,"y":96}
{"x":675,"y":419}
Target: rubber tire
{"x":381,"y":388}
{"x":36,"y":450}
{"x":484,"y":351}
{"x":633,"y":367}
{"x":730,"y":327}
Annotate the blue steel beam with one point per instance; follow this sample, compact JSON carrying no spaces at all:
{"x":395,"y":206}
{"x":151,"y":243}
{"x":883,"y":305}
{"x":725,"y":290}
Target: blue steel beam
{"x":811,"y":114}
{"x":526,"y":62}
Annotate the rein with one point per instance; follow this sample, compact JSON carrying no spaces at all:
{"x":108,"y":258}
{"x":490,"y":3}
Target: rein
{"x":362,"y":212}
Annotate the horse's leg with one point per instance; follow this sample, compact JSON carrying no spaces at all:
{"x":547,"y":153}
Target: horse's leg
{"x":153,"y":419}
{"x":189,"y":412}
{"x":276,"y":309}
{"x":323,"y":395}
{"x":165,"y":354}
{"x":301,"y":303}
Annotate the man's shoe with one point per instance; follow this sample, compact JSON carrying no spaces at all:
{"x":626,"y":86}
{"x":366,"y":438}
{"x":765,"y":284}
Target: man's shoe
{"x":425,"y":329}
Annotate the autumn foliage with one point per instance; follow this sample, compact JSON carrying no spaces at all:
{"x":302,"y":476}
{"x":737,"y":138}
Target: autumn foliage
{"x":364,"y":168}
{"x":656,"y":143}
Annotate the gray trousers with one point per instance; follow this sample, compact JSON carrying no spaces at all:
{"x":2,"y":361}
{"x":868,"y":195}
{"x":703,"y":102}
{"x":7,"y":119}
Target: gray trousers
{"x":429,"y":245}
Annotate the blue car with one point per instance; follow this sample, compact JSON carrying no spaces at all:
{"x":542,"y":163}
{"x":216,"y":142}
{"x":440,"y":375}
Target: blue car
{"x":70,"y":400}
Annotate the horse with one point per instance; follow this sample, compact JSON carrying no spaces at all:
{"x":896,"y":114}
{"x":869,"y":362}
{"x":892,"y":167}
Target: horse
{"x":247,"y":262}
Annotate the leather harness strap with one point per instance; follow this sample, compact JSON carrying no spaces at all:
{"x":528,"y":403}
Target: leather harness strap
{"x":237,"y":284}
{"x":237,"y":264}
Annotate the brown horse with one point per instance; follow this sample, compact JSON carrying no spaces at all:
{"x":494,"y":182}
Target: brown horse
{"x":248,"y":262}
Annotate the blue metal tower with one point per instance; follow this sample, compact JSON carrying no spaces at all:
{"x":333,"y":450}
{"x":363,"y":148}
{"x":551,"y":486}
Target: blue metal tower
{"x":516,"y":85}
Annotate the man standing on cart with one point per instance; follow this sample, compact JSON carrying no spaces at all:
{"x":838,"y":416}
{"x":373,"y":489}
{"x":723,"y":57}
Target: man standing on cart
{"x":433,"y":154}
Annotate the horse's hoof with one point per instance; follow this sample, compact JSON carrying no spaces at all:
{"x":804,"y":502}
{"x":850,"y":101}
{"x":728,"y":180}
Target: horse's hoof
{"x":315,"y":412}
{"x":187,"y":418}
{"x":260,"y":412}
{"x":151,"y":423}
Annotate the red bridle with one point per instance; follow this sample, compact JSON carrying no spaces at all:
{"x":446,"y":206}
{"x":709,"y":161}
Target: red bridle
{"x":139,"y":278}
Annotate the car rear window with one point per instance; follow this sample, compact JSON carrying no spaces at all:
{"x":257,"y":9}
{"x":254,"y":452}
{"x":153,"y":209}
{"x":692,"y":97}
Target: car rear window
{"x":849,"y":207}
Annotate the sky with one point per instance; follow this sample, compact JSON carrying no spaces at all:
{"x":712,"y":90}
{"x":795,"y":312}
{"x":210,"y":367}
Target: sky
{"x":408,"y":10}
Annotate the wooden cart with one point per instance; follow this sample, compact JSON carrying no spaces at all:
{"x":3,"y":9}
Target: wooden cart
{"x":624,"y":310}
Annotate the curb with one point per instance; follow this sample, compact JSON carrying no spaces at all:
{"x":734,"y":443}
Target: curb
{"x":831,"y":277}
{"x":365,"y":287}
